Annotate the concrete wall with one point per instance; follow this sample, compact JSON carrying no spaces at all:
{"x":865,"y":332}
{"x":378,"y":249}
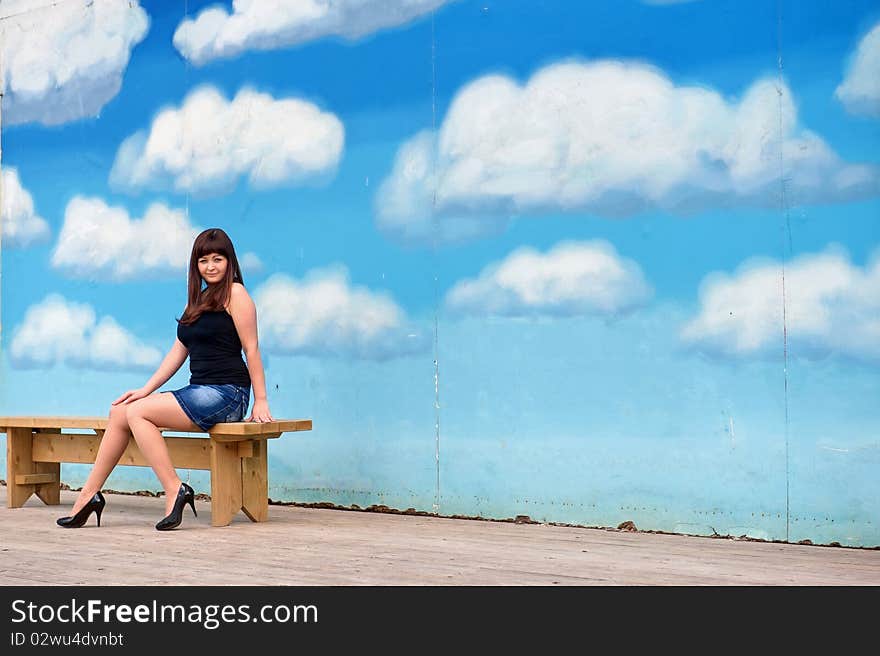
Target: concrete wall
{"x":585,"y":262}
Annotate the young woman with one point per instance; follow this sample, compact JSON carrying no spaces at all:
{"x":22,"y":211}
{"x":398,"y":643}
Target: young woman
{"x":219,"y":321}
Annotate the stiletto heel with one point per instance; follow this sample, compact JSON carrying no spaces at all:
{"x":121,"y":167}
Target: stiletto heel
{"x":185,"y":495}
{"x":96,"y":504}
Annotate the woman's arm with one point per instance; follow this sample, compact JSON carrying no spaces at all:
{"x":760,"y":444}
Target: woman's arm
{"x":172,"y":362}
{"x":244,"y":316}
{"x":176,"y":357}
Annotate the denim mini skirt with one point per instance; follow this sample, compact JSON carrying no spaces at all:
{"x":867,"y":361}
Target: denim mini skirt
{"x":207,"y":405}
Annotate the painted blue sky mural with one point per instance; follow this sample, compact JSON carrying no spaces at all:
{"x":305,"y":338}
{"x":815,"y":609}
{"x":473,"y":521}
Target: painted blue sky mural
{"x":585,"y":212}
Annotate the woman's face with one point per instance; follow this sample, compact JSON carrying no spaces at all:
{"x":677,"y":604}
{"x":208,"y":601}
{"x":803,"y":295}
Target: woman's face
{"x":212,"y":267}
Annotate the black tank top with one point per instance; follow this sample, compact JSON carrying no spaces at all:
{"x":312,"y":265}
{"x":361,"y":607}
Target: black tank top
{"x":214,"y":350}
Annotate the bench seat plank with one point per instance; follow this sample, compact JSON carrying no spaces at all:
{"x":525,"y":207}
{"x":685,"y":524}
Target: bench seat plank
{"x":248,"y":429}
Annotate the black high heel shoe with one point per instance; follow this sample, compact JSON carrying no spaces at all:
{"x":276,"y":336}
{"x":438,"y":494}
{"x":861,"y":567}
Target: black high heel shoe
{"x":96,"y":504}
{"x":185,"y":495}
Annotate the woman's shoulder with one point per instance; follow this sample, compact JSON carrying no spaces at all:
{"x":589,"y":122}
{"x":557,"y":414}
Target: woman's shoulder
{"x":237,"y":293}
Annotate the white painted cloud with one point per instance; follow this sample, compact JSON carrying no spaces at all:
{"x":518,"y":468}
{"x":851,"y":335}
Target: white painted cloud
{"x":62,"y":61}
{"x":572,"y":278}
{"x":831,"y":306}
{"x":271,"y":24}
{"x":21,"y":224}
{"x":860,"y":89}
{"x":324,"y":315}
{"x":250,"y":263}
{"x":208,"y":143}
{"x":57,"y":331}
{"x":98,"y":241}
{"x":608,"y":138}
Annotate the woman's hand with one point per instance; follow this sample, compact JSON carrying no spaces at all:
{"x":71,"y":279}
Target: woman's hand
{"x":260,"y":412}
{"x":131,"y":395}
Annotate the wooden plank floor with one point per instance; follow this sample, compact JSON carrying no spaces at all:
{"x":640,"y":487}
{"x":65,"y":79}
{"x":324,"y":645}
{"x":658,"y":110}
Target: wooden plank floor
{"x":307,"y":546}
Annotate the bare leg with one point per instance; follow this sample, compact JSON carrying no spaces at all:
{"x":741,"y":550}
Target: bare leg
{"x":145,"y":417}
{"x":113,"y":444}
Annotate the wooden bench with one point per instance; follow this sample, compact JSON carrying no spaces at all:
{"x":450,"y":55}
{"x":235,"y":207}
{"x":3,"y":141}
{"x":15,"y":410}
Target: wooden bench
{"x":234,"y":453}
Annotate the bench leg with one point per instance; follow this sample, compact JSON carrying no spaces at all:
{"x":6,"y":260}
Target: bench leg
{"x":225,"y":482}
{"x":26,"y":477}
{"x":20,"y":467}
{"x":255,"y":483}
{"x":49,"y":493}
{"x":18,"y":461}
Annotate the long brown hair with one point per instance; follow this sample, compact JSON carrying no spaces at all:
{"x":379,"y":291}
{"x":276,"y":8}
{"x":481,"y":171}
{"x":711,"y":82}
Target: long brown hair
{"x":216,"y":296}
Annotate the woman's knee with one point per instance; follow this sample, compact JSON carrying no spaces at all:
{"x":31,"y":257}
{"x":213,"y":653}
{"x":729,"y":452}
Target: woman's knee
{"x":118,"y":414}
{"x":133,"y":411}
